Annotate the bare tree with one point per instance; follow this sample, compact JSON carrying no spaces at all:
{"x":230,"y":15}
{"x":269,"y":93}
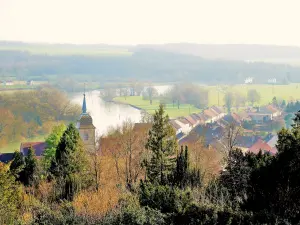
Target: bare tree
{"x":146,"y":117}
{"x":240,"y":100}
{"x":230,"y":137}
{"x":139,"y":87}
{"x":108,"y":93}
{"x":151,"y":92}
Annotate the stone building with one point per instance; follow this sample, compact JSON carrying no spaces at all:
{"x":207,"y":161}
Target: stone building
{"x":86,"y":128}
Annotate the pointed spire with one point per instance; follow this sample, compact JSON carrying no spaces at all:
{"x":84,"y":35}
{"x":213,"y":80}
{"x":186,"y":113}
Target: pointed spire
{"x":84,"y":102}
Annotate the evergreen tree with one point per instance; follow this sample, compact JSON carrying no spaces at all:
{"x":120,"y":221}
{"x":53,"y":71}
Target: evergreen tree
{"x":31,"y":168}
{"x":52,"y":141}
{"x":283,"y":104}
{"x":185,"y":176}
{"x":274,"y":101}
{"x":162,"y":145}
{"x":69,"y":163}
{"x":17,"y":166}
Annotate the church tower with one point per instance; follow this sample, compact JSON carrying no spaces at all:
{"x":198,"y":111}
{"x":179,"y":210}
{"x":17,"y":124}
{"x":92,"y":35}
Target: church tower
{"x":86,"y":128}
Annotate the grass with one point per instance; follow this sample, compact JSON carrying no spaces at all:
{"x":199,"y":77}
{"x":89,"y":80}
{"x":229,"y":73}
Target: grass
{"x":11,"y":147}
{"x":173,"y":112}
{"x":267,"y":92}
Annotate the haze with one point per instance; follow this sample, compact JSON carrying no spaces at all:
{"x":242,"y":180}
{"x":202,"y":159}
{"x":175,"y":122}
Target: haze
{"x":150,"y":22}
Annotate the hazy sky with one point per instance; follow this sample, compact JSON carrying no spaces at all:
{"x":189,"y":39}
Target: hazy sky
{"x":151,"y":21}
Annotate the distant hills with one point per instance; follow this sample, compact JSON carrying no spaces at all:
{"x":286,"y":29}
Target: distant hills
{"x":267,"y":53}
{"x":208,"y":64}
{"x":230,"y":51}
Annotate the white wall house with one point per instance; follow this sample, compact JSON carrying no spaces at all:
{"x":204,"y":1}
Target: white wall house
{"x":185,"y":127}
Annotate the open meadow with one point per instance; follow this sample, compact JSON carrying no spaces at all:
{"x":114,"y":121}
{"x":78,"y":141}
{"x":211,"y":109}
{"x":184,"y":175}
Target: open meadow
{"x":290,"y":92}
{"x":172,"y":111}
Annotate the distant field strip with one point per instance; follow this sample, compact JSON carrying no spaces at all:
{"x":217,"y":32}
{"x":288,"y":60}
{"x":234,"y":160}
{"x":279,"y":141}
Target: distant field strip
{"x":50,"y":50}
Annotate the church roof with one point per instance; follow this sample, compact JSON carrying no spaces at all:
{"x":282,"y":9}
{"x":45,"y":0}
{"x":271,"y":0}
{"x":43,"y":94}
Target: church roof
{"x":85,"y":121}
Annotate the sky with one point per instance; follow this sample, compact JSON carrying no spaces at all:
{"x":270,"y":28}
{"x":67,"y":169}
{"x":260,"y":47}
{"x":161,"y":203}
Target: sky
{"x":151,"y":21}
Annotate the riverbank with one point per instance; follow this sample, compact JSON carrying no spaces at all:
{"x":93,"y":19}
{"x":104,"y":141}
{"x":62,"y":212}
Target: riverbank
{"x":139,"y":103}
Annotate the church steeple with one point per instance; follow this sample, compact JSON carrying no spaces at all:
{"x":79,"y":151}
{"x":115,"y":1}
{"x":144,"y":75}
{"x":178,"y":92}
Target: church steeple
{"x":84,"y":105}
{"x":84,"y":102}
{"x":86,"y":128}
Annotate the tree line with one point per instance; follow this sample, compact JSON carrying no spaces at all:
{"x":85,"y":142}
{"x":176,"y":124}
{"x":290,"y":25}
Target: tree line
{"x":142,"y":176}
{"x":143,"y":65}
{"x":31,"y":113}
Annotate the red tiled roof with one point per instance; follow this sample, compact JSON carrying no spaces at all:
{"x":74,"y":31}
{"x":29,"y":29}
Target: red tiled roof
{"x":236,"y":117}
{"x":39,"y":148}
{"x":184,"y":121}
{"x":191,"y":120}
{"x":272,"y":108}
{"x":260,"y":145}
{"x":209,"y":113}
{"x":196,"y":117}
{"x":174,"y":125}
{"x":217,"y":109}
{"x":202,"y":116}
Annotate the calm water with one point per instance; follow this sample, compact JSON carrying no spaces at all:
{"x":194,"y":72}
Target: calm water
{"x":106,"y":114}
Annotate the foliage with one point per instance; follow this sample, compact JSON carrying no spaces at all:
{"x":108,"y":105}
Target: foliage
{"x":292,"y":107}
{"x":33,"y":113}
{"x":187,"y":93}
{"x":183,"y":175}
{"x":229,"y":100}
{"x":236,"y":176}
{"x":11,"y":197}
{"x":164,"y":198}
{"x":162,"y":145}
{"x":70,"y":163}
{"x":17,"y":166}
{"x":52,"y":141}
{"x":31,"y":175}
{"x":253,"y":96}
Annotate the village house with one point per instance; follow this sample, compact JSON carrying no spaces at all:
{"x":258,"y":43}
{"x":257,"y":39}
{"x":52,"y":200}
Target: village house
{"x":176,"y":127}
{"x":38,"y":147}
{"x":219,"y":111}
{"x":273,"y":110}
{"x":204,"y":118}
{"x":192,"y":122}
{"x":29,"y":82}
{"x":184,"y":124}
{"x":197,"y":118}
{"x":245,"y":142}
{"x":263,"y":146}
{"x":260,"y":118}
{"x":6,"y":157}
{"x":8,"y":83}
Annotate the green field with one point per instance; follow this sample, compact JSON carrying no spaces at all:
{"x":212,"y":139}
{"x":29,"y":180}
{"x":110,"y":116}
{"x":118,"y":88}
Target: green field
{"x":173,"y":112}
{"x":289,"y":92}
{"x":267,"y":92}
{"x":68,"y":50}
{"x":11,"y":147}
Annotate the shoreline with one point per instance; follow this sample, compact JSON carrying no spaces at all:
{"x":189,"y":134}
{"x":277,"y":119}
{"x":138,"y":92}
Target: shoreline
{"x":123,"y":103}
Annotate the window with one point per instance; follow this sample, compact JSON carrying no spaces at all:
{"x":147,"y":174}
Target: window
{"x":85,"y":136}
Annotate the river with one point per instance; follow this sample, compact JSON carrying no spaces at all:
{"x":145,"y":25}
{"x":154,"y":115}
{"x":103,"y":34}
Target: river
{"x":106,"y":114}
